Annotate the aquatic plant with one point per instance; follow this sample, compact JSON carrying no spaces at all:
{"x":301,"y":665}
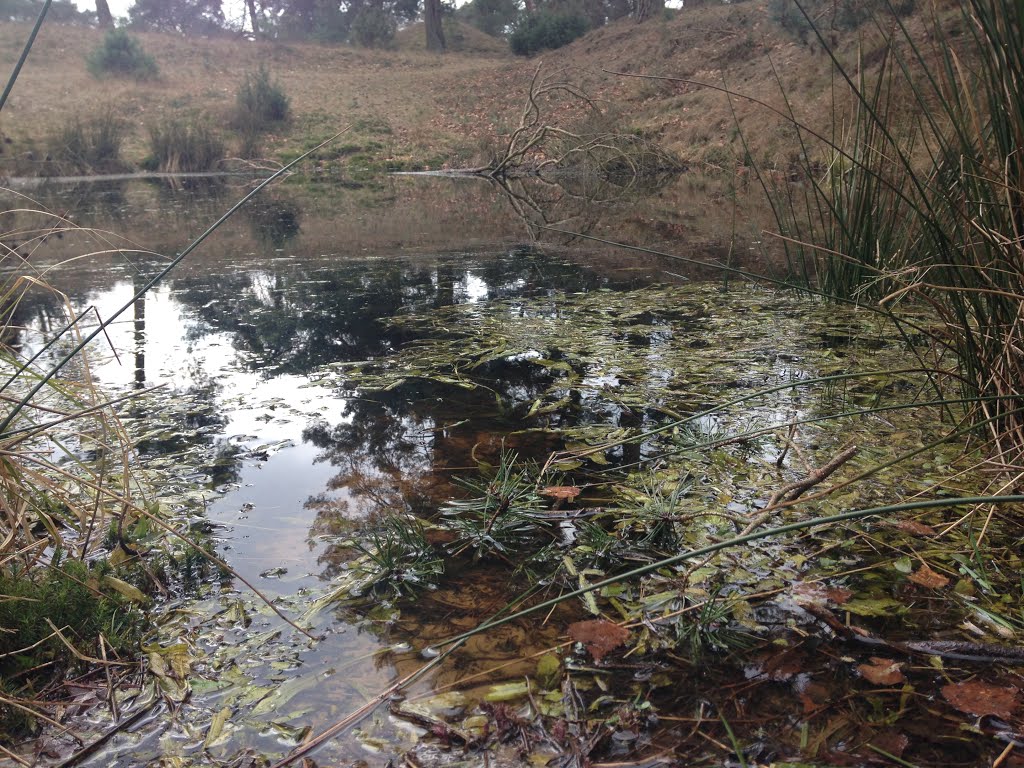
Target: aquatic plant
{"x":500,"y":516}
{"x":397,"y":557}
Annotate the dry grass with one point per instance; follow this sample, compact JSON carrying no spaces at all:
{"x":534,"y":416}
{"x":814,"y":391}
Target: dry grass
{"x":425,"y":109}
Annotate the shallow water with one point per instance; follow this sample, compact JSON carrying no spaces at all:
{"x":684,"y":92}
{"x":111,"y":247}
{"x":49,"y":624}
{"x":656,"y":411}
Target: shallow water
{"x":285,"y":468}
{"x":259,"y":430}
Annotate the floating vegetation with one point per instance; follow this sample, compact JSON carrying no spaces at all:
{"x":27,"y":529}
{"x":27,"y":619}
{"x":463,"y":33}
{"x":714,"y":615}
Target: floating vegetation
{"x":667,"y":450}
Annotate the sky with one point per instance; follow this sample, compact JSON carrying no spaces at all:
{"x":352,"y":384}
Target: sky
{"x":233,"y":9}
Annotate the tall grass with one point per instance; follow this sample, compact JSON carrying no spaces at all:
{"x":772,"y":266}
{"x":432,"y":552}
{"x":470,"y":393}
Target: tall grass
{"x":921,"y":195}
{"x":90,"y":144}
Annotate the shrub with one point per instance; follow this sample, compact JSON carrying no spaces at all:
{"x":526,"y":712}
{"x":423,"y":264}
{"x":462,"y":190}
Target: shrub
{"x":179,"y":146}
{"x":91,"y":144}
{"x":259,"y":103}
{"x":544,"y":31}
{"x":122,"y":54}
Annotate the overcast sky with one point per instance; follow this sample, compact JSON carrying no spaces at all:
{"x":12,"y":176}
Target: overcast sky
{"x":233,"y":9}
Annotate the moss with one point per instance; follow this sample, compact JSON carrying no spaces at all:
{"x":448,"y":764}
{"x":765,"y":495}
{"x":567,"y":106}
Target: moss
{"x":32,"y":657}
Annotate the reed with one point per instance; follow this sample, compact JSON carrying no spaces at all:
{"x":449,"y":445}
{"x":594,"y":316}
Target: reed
{"x":922,"y":196}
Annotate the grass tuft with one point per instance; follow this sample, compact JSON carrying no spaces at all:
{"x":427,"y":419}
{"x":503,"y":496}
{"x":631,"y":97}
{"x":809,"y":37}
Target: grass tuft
{"x":180,"y":146}
{"x":90,"y":144}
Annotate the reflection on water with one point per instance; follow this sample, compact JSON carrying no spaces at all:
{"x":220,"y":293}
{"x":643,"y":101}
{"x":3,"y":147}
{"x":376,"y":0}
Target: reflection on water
{"x":245,"y":331}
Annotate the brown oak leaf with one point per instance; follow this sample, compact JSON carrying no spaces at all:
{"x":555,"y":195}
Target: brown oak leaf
{"x":599,"y":636}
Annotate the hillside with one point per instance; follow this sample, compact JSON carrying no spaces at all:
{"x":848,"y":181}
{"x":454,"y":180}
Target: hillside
{"x":408,"y":108}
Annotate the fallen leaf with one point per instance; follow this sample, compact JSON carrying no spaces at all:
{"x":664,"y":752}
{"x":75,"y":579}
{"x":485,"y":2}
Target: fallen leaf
{"x":926,"y":577}
{"x":814,"y":697}
{"x":879,"y":606}
{"x":882,"y":672}
{"x":567,"y":492}
{"x":129,"y":591}
{"x":599,"y":636}
{"x":915,"y":528}
{"x":893,"y":742}
{"x":976,"y":697}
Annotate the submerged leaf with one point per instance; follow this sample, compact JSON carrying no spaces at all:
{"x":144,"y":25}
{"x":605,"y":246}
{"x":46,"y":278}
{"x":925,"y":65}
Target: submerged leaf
{"x":882,"y":672}
{"x":915,"y":528}
{"x":599,"y":636}
{"x":879,"y":606}
{"x":549,"y":670}
{"x":926,"y":577}
{"x":976,"y":697}
{"x":506,"y":692}
{"x":216,"y":726}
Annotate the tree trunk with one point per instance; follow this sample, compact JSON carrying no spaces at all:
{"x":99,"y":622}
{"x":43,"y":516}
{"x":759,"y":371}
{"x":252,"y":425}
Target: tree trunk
{"x":103,"y":16}
{"x":643,"y":10}
{"x":253,"y":19}
{"x":432,"y":22}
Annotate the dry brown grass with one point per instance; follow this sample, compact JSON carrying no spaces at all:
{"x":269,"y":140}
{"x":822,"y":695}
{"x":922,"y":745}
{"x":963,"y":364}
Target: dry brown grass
{"x":429,"y":109}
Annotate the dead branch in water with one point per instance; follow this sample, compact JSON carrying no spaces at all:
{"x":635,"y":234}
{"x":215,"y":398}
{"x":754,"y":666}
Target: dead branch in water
{"x":539,"y":142}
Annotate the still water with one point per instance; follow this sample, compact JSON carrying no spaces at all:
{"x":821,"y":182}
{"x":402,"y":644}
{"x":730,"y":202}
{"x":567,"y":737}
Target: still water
{"x":256,"y":429}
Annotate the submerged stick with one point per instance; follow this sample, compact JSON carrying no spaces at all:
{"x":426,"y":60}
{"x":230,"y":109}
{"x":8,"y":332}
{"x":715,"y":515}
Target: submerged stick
{"x":351,"y":719}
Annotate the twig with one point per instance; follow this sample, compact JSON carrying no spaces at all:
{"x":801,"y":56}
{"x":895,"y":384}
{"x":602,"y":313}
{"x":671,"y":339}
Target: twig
{"x":16,"y":758}
{"x":794,"y":490}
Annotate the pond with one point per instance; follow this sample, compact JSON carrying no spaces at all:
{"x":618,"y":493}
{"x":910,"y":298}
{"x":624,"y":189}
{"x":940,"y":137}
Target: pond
{"x":344,"y":363}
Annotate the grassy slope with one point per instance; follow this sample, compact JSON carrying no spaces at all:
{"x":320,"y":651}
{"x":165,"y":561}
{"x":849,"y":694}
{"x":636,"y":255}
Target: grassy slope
{"x":424,"y":109}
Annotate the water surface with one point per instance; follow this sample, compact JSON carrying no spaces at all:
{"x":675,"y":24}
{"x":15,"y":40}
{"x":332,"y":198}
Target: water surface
{"x":258,"y":429}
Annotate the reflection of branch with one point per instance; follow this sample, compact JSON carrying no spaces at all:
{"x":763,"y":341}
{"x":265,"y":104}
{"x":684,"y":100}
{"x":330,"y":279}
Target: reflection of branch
{"x":537,"y":214}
